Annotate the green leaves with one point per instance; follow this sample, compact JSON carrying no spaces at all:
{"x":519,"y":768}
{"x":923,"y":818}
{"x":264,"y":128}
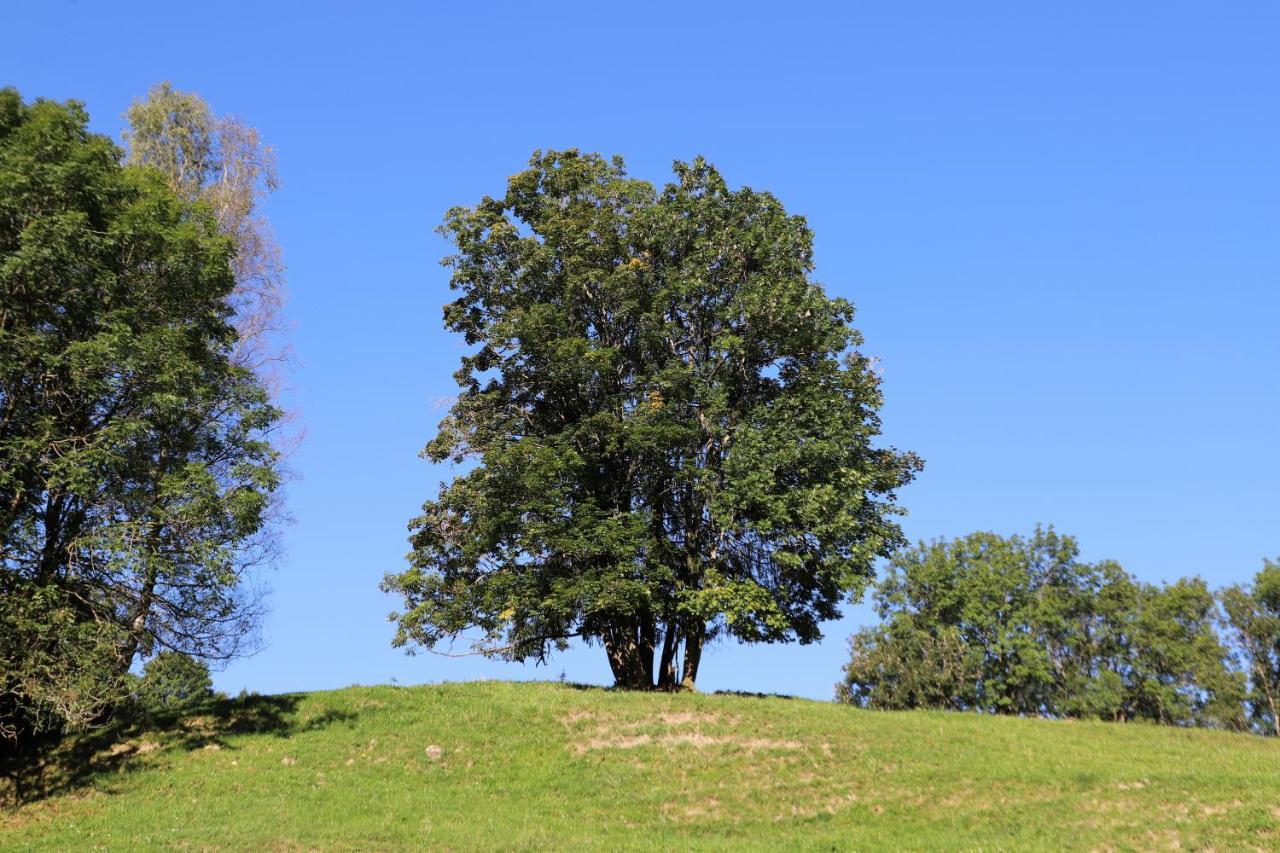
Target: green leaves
{"x":1022,"y":626}
{"x":672,"y":435}
{"x":172,"y":681}
{"x":1253,"y":613}
{"x":136,"y":466}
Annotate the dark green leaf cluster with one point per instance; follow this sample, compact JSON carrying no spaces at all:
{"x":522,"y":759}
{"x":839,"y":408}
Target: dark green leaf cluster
{"x":172,"y":681}
{"x":1022,"y":626}
{"x":136,"y":468}
{"x":670,"y":428}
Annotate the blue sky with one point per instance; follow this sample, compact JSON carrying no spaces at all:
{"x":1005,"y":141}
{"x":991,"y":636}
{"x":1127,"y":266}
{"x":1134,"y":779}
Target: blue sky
{"x":1060,"y":224}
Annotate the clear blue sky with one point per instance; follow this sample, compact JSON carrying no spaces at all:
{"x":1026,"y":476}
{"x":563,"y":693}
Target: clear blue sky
{"x":1060,"y":224}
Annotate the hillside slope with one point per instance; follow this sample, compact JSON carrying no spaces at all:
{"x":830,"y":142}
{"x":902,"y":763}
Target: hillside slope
{"x":488,"y":765}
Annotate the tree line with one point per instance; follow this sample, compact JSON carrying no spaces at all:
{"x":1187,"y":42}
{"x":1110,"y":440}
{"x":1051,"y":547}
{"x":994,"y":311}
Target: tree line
{"x":1014,"y":625}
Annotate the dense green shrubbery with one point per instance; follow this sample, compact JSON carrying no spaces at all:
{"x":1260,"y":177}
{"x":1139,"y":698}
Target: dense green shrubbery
{"x":1022,"y":626}
{"x":172,"y":681}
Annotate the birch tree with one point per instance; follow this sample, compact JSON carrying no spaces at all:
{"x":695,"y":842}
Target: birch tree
{"x":222,"y":162}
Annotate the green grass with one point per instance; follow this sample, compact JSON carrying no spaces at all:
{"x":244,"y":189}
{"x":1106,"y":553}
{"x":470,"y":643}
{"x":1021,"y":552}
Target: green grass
{"x":547,"y":766}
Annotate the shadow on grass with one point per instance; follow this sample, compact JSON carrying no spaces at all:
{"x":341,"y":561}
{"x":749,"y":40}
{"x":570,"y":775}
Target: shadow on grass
{"x":53,"y":767}
{"x":578,"y":685}
{"x":745,"y":694}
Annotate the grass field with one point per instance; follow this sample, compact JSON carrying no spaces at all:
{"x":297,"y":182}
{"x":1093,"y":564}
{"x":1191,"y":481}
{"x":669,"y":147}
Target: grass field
{"x":541,"y":766}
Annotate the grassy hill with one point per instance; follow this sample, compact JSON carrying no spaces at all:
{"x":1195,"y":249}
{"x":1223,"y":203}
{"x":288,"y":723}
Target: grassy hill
{"x":489,"y":765}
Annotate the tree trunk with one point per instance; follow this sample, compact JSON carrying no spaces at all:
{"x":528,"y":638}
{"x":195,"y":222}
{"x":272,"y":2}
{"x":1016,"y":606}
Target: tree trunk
{"x":692,"y":656}
{"x":618,"y":659}
{"x":138,"y":622}
{"x":648,"y":632}
{"x":622,"y":644}
{"x":51,"y":554}
{"x":667,"y":666}
{"x":146,"y":595}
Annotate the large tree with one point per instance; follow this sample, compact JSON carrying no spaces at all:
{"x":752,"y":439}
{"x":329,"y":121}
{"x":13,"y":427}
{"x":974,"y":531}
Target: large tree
{"x":135,"y":456}
{"x":670,"y":430}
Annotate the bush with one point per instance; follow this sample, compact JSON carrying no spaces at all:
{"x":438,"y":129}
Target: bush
{"x":172,"y":681}
{"x":1013,"y":625}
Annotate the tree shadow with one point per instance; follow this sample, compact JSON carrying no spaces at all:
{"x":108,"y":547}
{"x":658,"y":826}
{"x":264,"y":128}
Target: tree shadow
{"x":582,"y":686}
{"x":746,"y":694}
{"x":37,"y":770}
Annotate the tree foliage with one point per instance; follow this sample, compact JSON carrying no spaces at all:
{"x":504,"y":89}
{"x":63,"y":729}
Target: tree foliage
{"x":135,"y":460}
{"x":1253,"y":612}
{"x":222,"y":162}
{"x":672,"y":431}
{"x":173,"y":680}
{"x":1022,"y":626}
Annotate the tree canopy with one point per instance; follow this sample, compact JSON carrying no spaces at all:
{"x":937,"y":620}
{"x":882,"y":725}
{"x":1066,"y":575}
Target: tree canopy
{"x":669,"y":429}
{"x":135,"y":455}
{"x":222,"y":162}
{"x":172,"y":681}
{"x":1019,"y":625}
{"x":1253,"y":613}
